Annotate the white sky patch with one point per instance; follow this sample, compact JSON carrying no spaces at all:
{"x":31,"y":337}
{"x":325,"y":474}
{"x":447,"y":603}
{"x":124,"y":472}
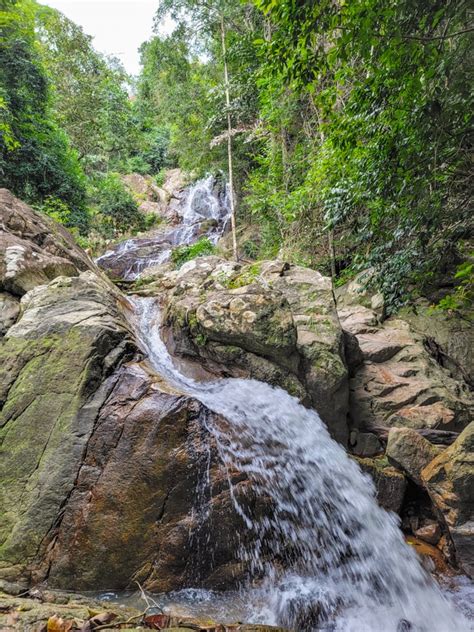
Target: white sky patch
{"x":118,"y":27}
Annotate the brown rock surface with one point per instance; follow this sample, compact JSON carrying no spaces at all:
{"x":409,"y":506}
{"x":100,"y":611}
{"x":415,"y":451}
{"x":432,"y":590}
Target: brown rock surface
{"x":410,"y":452}
{"x":141,"y":507}
{"x":399,"y":384}
{"x":449,"y":337}
{"x":270,"y":321}
{"x":449,"y":479}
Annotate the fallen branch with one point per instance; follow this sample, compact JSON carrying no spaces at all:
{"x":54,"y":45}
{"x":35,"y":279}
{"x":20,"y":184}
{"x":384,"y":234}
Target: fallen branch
{"x":147,"y":600}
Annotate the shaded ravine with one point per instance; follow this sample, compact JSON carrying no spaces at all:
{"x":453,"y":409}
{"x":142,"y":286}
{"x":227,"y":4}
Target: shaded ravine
{"x":327,"y":557}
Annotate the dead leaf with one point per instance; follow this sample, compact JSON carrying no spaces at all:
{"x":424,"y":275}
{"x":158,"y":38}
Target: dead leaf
{"x":157,"y":621}
{"x":56,"y":624}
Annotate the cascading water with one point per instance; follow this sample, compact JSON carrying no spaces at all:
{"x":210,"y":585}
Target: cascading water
{"x":328,"y":552}
{"x":204,"y":211}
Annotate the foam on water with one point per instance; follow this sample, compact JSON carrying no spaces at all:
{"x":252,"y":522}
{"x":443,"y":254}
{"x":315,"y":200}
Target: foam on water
{"x":327,"y":551}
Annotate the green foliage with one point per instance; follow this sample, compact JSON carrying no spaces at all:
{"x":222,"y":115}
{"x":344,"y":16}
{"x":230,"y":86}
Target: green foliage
{"x":345,"y":276}
{"x":250,"y":249}
{"x":36,"y":159}
{"x":463,"y":295}
{"x":90,"y":93}
{"x":201,"y":248}
{"x":160,"y":178}
{"x":117,"y":208}
{"x":367,"y":106}
{"x":246,"y":277}
{"x":57,"y":210}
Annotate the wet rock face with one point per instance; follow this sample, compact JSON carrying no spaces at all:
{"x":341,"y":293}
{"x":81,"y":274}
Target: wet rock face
{"x":390,"y":484}
{"x":269,"y":321}
{"x":141,"y":506}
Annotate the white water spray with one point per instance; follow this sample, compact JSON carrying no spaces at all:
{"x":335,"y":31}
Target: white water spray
{"x":328,"y":552}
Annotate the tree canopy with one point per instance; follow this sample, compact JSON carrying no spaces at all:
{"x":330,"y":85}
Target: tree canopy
{"x":350,"y":126}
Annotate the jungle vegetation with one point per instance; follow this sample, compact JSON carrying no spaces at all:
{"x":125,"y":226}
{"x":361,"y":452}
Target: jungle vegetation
{"x":350,"y":127}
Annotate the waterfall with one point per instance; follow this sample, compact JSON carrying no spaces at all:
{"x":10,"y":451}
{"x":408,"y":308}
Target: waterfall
{"x":203,"y":212}
{"x":327,"y":552}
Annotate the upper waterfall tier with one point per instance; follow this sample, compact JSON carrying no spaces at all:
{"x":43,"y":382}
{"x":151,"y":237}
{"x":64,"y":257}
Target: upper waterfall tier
{"x":202,"y":211}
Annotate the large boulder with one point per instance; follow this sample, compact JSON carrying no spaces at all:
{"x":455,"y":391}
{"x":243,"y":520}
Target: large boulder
{"x":449,"y":479}
{"x":270,"y":321}
{"x":141,"y":507}
{"x":33,"y":248}
{"x":410,"y":452}
{"x":400,"y":383}
{"x":390,"y":483}
{"x":56,"y":370}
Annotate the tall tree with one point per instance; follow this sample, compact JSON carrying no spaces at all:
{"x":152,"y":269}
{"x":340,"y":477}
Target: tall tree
{"x":218,"y":37}
{"x":90,"y":92}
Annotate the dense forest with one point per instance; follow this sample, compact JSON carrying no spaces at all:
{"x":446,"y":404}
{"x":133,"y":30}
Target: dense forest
{"x":348,"y":123}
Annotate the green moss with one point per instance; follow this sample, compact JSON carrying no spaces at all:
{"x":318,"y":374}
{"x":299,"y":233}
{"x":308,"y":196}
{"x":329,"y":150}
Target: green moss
{"x":142,"y":282}
{"x":246,"y":277}
{"x":45,"y":383}
{"x":201,"y":340}
{"x":192,"y":321}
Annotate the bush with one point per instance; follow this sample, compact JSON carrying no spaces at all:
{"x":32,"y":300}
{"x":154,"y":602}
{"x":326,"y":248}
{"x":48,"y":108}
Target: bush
{"x":463,"y":295}
{"x":57,"y":210}
{"x":116,"y":205}
{"x":201,"y":248}
{"x":160,"y":178}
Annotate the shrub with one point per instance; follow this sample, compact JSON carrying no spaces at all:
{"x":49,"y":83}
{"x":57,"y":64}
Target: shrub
{"x":116,"y":204}
{"x":201,"y":248}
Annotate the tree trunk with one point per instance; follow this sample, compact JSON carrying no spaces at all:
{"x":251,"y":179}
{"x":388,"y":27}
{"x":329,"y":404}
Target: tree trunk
{"x":332,"y":254}
{"x":229,"y":143}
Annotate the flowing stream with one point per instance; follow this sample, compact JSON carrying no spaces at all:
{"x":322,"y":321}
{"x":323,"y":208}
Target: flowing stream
{"x":342,"y":559}
{"x":327,"y":557}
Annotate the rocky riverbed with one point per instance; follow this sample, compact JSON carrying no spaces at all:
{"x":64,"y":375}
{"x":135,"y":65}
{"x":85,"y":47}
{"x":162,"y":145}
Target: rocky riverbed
{"x":102,"y":457}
